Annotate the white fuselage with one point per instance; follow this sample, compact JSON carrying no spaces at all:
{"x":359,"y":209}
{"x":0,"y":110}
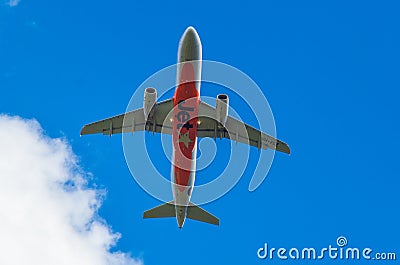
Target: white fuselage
{"x":184,"y":121}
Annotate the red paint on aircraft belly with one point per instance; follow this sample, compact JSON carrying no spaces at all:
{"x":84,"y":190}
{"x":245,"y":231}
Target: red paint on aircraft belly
{"x":186,"y":102}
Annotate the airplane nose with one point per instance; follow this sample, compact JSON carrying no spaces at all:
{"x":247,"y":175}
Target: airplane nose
{"x":189,"y":46}
{"x":190,"y":34}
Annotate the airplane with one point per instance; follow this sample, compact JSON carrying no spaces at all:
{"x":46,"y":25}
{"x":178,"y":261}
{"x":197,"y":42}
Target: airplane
{"x":186,"y":118}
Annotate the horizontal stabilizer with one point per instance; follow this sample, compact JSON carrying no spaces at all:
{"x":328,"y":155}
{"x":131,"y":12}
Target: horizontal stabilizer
{"x":164,"y":210}
{"x":196,"y":213}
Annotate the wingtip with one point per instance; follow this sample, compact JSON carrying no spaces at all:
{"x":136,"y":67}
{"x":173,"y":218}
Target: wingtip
{"x":82,"y":132}
{"x":283,"y":147}
{"x":288,"y":150}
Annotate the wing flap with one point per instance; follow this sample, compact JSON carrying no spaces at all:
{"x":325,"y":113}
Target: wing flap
{"x":235,"y":130}
{"x":135,"y":121}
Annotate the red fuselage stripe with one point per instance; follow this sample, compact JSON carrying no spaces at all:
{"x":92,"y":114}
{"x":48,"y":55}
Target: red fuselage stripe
{"x":186,"y":102}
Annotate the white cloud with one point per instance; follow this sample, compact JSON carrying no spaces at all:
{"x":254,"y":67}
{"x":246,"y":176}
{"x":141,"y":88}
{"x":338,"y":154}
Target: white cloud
{"x":13,"y":2}
{"x":47,"y":213}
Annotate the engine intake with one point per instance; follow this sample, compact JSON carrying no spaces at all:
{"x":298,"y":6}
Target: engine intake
{"x":221,"y":108}
{"x":150,"y":97}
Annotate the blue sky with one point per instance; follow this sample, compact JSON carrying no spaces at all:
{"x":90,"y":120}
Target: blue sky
{"x":330,"y":73}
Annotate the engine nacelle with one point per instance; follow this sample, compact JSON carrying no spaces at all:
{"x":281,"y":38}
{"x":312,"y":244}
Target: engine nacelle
{"x":221,"y":108}
{"x":150,"y":97}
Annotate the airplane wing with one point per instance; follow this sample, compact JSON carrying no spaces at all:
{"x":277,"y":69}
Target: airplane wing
{"x":235,"y":130}
{"x":134,"y":121}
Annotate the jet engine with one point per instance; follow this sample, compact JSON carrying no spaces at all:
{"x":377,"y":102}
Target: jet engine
{"x":221,"y":108}
{"x":150,"y":97}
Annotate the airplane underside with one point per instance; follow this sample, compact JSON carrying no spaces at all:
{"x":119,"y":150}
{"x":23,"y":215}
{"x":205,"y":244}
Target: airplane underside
{"x":191,"y":118}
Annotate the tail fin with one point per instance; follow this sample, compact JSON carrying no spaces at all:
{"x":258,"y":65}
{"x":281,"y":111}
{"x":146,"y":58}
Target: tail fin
{"x":193,"y":212}
{"x":164,"y":210}
{"x":196,"y":213}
